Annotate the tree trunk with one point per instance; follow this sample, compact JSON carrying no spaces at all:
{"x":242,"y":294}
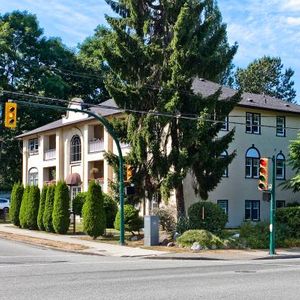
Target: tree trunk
{"x":180,"y":200}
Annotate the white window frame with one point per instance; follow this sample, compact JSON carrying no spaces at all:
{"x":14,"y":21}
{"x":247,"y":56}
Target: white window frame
{"x":33,"y":146}
{"x":252,"y":122}
{"x":280,"y":126}
{"x":75,"y":149}
{"x":33,"y":176}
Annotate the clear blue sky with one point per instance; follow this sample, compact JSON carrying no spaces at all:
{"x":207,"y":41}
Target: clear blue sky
{"x":261,"y":27}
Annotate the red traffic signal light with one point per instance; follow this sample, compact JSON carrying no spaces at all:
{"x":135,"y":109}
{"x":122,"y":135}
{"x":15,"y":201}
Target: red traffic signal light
{"x":263,"y":174}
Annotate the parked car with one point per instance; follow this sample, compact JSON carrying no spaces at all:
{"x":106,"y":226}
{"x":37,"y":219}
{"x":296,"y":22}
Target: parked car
{"x":4,"y":205}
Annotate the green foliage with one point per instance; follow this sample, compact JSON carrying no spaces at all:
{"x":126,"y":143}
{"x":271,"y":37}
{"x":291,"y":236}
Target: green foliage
{"x":132,"y":220}
{"x":183,"y":225}
{"x":61,"y":213}
{"x":40,"y":222}
{"x":47,"y":217}
{"x":32,"y":209}
{"x":94,"y":221}
{"x":290,"y":216}
{"x":214,"y":217}
{"x":166,"y":218}
{"x":15,"y":203}
{"x":111,"y":208}
{"x":266,"y":76}
{"x":293,"y":204}
{"x":191,"y":38}
{"x":23,"y":208}
{"x":205,"y":239}
{"x":78,"y":202}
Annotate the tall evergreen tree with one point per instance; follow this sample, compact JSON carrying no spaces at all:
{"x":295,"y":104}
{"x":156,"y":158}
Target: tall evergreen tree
{"x":47,"y":217}
{"x":154,"y":51}
{"x":42,"y":208}
{"x":15,"y":203}
{"x":33,"y":207}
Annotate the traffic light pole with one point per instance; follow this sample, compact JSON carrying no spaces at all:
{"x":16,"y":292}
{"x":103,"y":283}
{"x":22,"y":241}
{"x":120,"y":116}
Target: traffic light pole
{"x":272,"y":209}
{"x":111,"y":131}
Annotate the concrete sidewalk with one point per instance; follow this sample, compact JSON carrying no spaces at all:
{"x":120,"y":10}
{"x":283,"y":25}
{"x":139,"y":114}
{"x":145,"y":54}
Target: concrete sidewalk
{"x":101,"y":248}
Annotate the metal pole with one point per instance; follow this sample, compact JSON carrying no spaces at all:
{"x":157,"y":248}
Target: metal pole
{"x":111,"y":131}
{"x":272,"y":209}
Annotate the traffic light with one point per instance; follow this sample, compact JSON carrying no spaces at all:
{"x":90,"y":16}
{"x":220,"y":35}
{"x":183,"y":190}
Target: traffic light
{"x":263,"y":174}
{"x":129,"y":173}
{"x":10,"y":115}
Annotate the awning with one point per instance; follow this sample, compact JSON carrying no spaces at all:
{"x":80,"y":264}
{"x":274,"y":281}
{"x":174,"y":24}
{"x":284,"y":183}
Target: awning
{"x":73,"y":179}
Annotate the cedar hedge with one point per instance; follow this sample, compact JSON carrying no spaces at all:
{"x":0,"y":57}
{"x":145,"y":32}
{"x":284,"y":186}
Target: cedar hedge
{"x":32,"y":207}
{"x":42,"y":208}
{"x":23,"y":208}
{"x":15,"y":204}
{"x":47,"y":217}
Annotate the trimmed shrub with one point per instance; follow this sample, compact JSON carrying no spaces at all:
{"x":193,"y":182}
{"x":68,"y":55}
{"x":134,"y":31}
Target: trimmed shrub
{"x":78,"y":202}
{"x":111,"y":209}
{"x":183,"y":225}
{"x":23,"y":208}
{"x":15,"y":203}
{"x":290,"y":216}
{"x":42,"y":208}
{"x":94,"y":222}
{"x":61,"y":212}
{"x":33,"y":207}
{"x":205,"y":239}
{"x":132,"y":220}
{"x":47,"y":217}
{"x":293,"y":204}
{"x":166,"y":218}
{"x":214,"y":219}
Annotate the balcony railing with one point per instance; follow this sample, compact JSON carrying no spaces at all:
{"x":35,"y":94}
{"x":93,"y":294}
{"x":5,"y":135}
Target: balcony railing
{"x":96,"y":146}
{"x":50,"y":154}
{"x":124,"y":146}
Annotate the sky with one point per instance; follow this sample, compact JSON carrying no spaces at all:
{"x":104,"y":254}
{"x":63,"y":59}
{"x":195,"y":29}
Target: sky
{"x":260,"y":27}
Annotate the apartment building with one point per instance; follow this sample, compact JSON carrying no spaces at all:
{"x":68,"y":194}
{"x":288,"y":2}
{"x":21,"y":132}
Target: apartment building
{"x":73,"y":148}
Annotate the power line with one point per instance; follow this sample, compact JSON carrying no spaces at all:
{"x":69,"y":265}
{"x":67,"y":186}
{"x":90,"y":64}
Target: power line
{"x":154,"y":113}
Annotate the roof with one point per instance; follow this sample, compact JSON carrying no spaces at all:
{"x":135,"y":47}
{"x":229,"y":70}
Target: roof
{"x":251,"y":100}
{"x":202,"y":86}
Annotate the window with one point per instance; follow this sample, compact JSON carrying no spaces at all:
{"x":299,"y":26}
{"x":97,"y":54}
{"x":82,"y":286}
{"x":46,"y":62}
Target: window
{"x":252,"y":162}
{"x":252,"y":123}
{"x":252,"y":210}
{"x":33,"y":146}
{"x":75,"y":148}
{"x":33,"y":177}
{"x":280,"y":166}
{"x":224,"y":154}
{"x":225,"y":126}
{"x":74,"y":191}
{"x":280,"y":203}
{"x":280,"y":126}
{"x":224,"y":205}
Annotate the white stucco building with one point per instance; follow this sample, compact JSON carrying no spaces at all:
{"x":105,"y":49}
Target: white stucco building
{"x":263,"y":126}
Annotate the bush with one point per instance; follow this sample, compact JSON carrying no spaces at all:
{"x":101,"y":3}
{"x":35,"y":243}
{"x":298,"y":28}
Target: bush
{"x":166,"y":219}
{"x":61,"y":212}
{"x":290,"y":216}
{"x":183,"y":225}
{"x":214,"y":220}
{"x":293,"y":204}
{"x":33,"y":207}
{"x":78,"y":202}
{"x":111,"y":209}
{"x":15,"y":203}
{"x":132,"y":220}
{"x":47,"y":217}
{"x":94,"y":222}
{"x":205,"y":239}
{"x":42,"y":208}
{"x":23,"y":208}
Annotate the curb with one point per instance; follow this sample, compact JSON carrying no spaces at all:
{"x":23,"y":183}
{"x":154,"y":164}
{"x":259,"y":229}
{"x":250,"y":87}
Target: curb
{"x":279,"y":256}
{"x":184,"y":258}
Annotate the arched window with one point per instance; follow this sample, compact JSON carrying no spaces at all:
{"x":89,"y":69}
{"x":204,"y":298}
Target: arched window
{"x":224,"y":154}
{"x":75,"y":152}
{"x":33,"y":176}
{"x":252,"y":163}
{"x":280,"y":166}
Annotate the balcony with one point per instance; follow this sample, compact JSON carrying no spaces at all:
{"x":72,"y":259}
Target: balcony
{"x":96,"y":145}
{"x":50,"y":154}
{"x":125,"y":146}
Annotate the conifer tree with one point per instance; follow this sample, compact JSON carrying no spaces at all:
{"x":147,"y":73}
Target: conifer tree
{"x":42,"y":208}
{"x":15,"y":203}
{"x":33,"y":207}
{"x":47,"y":217}
{"x":23,"y":208}
{"x":154,"y":51}
{"x":61,"y":212}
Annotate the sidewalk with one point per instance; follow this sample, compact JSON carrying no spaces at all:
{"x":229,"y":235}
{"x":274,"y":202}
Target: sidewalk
{"x":74,"y":243}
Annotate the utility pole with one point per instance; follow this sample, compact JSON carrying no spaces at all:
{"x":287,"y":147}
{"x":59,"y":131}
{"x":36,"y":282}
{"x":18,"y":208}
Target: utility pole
{"x":272,"y":209}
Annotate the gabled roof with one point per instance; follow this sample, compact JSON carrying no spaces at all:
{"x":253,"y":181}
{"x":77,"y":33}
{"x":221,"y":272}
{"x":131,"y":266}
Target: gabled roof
{"x":202,"y":86}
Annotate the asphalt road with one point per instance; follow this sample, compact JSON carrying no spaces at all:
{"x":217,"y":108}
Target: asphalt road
{"x":28,"y":272}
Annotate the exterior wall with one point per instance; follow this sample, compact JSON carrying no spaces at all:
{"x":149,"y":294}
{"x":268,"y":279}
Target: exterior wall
{"x":236,"y":188}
